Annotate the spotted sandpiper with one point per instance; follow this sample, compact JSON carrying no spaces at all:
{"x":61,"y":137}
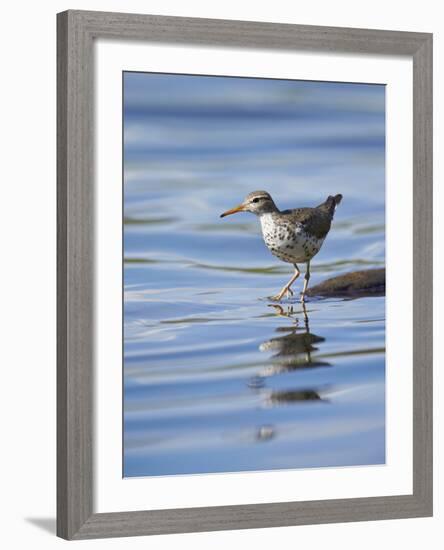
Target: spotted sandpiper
{"x":294,"y":236}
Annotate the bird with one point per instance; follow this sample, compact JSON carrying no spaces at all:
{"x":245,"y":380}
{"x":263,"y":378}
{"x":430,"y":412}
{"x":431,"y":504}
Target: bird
{"x":294,"y":236}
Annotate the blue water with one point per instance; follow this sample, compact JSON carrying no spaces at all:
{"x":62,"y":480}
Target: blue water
{"x":216,"y":379}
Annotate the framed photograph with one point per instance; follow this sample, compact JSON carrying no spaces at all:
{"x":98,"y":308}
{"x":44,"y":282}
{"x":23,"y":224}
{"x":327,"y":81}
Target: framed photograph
{"x":244,"y":275}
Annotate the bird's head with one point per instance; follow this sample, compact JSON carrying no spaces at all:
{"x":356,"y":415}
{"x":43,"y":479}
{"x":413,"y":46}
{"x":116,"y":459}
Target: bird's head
{"x":257,"y":202}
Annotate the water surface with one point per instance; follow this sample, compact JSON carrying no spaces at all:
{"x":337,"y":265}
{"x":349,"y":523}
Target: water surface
{"x":216,"y":378}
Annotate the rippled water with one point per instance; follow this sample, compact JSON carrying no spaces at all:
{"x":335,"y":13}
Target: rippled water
{"x":216,"y":378}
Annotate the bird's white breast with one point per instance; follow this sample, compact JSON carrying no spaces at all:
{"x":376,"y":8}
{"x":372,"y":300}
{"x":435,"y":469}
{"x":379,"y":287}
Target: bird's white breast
{"x":289,"y":243}
{"x":266,"y":224}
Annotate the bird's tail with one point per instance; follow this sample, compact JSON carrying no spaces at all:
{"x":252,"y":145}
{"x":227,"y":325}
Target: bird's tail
{"x":331,"y":203}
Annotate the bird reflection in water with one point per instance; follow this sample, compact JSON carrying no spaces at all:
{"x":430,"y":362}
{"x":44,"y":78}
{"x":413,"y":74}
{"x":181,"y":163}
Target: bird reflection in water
{"x":294,"y":349}
{"x":291,"y":352}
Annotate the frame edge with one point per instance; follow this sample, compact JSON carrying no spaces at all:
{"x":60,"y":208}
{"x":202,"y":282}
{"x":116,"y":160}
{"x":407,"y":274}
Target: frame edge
{"x":423,"y":274}
{"x":62,"y":474}
{"x":75,"y":252}
{"x":75,"y":518}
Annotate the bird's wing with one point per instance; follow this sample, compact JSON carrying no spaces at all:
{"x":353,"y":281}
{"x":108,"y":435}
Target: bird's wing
{"x":313,"y":220}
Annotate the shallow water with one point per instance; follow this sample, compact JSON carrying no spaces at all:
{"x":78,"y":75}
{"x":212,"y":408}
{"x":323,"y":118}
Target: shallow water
{"x":216,"y":379}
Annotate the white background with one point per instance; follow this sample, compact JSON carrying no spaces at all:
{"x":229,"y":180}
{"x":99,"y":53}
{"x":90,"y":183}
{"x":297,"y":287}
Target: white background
{"x":28,"y":270}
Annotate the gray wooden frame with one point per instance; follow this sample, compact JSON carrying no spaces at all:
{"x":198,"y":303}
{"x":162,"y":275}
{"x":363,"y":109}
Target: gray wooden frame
{"x":76,"y":32}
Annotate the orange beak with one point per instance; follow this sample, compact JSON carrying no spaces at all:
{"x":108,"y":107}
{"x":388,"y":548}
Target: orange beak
{"x":239,"y":208}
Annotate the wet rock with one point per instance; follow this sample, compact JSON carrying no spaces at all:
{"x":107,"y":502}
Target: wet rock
{"x":369,"y":282}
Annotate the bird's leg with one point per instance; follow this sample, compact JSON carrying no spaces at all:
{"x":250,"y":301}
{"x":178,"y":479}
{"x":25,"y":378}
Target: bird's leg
{"x":306,"y":279}
{"x":287,"y":288}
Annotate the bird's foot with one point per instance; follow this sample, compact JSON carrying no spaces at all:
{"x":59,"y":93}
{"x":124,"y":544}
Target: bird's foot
{"x":278,"y":297}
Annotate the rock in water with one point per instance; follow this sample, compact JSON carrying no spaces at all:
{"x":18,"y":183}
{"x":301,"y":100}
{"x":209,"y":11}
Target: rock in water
{"x":369,"y":282}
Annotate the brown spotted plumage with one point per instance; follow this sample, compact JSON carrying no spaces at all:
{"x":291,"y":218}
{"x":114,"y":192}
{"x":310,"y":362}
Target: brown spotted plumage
{"x":294,"y":236}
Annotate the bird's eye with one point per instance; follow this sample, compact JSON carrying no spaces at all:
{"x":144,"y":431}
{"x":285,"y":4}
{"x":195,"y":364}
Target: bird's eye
{"x":257,"y":199}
